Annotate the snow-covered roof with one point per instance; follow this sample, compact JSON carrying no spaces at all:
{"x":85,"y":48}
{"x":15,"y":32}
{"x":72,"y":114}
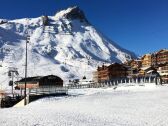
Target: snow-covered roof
{"x":150,"y":71}
{"x":163,"y":50}
{"x":145,"y":68}
{"x":162,"y":74}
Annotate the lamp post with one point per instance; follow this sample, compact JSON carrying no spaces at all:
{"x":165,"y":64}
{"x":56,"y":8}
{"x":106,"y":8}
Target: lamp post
{"x":27,"y":41}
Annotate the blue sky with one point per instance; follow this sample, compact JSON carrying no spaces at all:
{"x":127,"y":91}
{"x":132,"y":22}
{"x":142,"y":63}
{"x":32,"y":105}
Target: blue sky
{"x":137,"y":25}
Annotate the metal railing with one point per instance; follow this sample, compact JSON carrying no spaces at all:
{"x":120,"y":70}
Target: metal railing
{"x":115,"y":82}
{"x":46,"y":90}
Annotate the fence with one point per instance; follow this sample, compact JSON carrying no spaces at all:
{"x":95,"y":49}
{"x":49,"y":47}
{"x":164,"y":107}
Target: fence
{"x":133,"y":80}
{"x":115,"y":82}
{"x":36,"y":93}
{"x":48,"y":90}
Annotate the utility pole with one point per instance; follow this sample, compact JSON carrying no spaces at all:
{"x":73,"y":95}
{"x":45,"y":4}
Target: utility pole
{"x":27,"y":41}
{"x":12,"y":84}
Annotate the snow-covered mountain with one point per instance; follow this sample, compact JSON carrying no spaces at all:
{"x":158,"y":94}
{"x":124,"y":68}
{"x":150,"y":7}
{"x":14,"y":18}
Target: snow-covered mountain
{"x":67,"y":46}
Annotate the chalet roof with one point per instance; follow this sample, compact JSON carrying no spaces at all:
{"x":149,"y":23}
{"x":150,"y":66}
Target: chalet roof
{"x":145,"y":55}
{"x":36,"y":78}
{"x":122,"y":66}
{"x":138,"y":60}
{"x":150,"y":71}
{"x":163,"y":50}
{"x":148,"y":68}
{"x":30,"y":79}
{"x":162,"y":74}
{"x":145,"y":68}
{"x":110,"y":66}
{"x":135,"y":60}
{"x":102,"y":67}
{"x":113,"y":64}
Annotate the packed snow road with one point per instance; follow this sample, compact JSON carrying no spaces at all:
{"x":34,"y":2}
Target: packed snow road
{"x":124,"y":106}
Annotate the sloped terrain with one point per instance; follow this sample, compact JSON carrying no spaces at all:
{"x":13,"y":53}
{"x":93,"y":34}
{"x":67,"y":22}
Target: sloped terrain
{"x":67,"y":46}
{"x":125,"y":106}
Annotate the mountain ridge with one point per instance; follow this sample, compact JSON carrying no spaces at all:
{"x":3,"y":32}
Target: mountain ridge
{"x":68,"y":46}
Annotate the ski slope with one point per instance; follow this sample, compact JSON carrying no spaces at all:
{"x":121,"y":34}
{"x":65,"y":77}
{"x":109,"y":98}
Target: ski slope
{"x":68,"y":46}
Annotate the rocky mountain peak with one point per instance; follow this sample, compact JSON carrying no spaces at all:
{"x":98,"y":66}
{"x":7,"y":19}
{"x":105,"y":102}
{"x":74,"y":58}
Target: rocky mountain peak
{"x":63,"y":46}
{"x":72,"y":13}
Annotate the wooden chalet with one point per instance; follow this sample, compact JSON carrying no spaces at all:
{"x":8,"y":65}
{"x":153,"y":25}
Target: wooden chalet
{"x":40,"y":81}
{"x":134,"y":63}
{"x":162,"y":56}
{"x":112,"y":71}
{"x":163,"y":71}
{"x":131,"y":71}
{"x":103,"y":73}
{"x":154,"y":59}
{"x":146,"y":60}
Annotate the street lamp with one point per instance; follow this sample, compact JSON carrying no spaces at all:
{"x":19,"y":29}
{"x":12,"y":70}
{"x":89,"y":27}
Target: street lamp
{"x":27,"y":41}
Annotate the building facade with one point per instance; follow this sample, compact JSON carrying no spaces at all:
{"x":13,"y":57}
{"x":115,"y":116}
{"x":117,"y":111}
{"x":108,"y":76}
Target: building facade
{"x":134,"y":63}
{"x":40,"y":81}
{"x":154,"y":59}
{"x":103,"y":73}
{"x":146,"y":60}
{"x":163,"y":71}
{"x":162,"y":56}
{"x":95,"y":76}
{"x":112,"y":71}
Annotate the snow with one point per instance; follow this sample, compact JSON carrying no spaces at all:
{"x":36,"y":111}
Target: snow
{"x":61,"y":13}
{"x":125,"y":106}
{"x":145,"y":68}
{"x":62,"y":48}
